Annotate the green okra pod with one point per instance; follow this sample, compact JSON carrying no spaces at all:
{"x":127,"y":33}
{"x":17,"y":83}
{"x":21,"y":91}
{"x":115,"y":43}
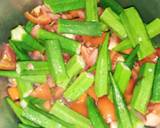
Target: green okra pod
{"x":75,"y":66}
{"x":153,"y":30}
{"x":67,"y":45}
{"x":24,"y":87}
{"x":94,"y":115}
{"x":31,"y":78}
{"x":113,"y":21}
{"x":68,"y":115}
{"x":40,"y":119}
{"x":156,"y":84}
{"x":56,"y":63}
{"x":102,"y":68}
{"x":21,"y":55}
{"x":58,"y":6}
{"x":79,"y":86}
{"x":32,"y":68}
{"x":136,"y":32}
{"x":18,"y":111}
{"x":136,"y":121}
{"x":34,"y":78}
{"x":29,"y":26}
{"x":123,"y":116}
{"x":123,"y":71}
{"x":113,"y":4}
{"x":122,"y":76}
{"x":25,"y":40}
{"x":143,"y":89}
{"x":131,"y":59}
{"x":79,"y":27}
{"x":91,"y":10}
{"x":25,"y":126}
{"x":9,"y":74}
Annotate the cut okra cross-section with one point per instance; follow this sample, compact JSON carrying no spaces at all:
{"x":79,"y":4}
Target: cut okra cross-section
{"x":25,"y":40}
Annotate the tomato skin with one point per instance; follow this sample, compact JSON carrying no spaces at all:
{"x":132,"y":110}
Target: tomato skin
{"x":115,"y":57}
{"x":7,"y":58}
{"x":42,"y":92}
{"x":92,"y":93}
{"x":106,"y":109}
{"x":13,"y":93}
{"x":80,"y":105}
{"x":158,"y":52}
{"x":93,"y":41}
{"x":152,"y":59}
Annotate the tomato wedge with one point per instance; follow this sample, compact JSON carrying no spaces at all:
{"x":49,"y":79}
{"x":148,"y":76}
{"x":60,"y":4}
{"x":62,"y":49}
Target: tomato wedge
{"x":107,"y":109}
{"x":7,"y":58}
{"x":94,"y":41}
{"x":42,"y":92}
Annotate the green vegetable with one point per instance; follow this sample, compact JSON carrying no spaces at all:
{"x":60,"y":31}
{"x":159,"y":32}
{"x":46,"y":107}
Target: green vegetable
{"x":25,"y":40}
{"x":18,"y":111}
{"x":91,"y":10}
{"x":68,"y":115}
{"x":31,"y":78}
{"x":156,"y":84}
{"x":136,"y":32}
{"x":25,"y":126}
{"x":102,"y":68}
{"x":29,"y":26}
{"x":67,"y":45}
{"x":153,"y":30}
{"x":113,"y":4}
{"x":113,"y":21}
{"x":56,"y":63}
{"x":143,"y":89}
{"x":24,"y":87}
{"x":40,"y":119}
{"x":94,"y":115}
{"x":19,"y":54}
{"x":59,"y":6}
{"x":79,"y":86}
{"x":132,"y":58}
{"x":123,"y":117}
{"x":34,"y":101}
{"x":75,"y":66}
{"x":122,"y":76}
{"x":79,"y":27}
{"x":104,"y":27}
{"x":93,"y":68}
{"x":32,"y":68}
{"x":10,"y":74}
{"x":137,"y":123}
{"x":34,"y":78}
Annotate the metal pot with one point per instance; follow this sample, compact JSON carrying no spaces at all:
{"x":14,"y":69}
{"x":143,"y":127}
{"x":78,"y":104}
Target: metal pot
{"x":11,"y":14}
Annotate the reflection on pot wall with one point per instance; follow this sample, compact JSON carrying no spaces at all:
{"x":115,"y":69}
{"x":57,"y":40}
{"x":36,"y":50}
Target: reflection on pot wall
{"x":11,"y":14}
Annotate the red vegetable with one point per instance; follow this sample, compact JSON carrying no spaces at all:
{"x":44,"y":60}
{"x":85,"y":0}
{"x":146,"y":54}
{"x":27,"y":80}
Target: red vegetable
{"x":93,"y":41}
{"x":107,"y":109}
{"x":42,"y":92}
{"x":43,"y":19}
{"x":7,"y":58}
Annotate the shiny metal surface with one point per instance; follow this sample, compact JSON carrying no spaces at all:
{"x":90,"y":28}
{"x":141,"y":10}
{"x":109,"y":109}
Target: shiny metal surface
{"x":11,"y":14}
